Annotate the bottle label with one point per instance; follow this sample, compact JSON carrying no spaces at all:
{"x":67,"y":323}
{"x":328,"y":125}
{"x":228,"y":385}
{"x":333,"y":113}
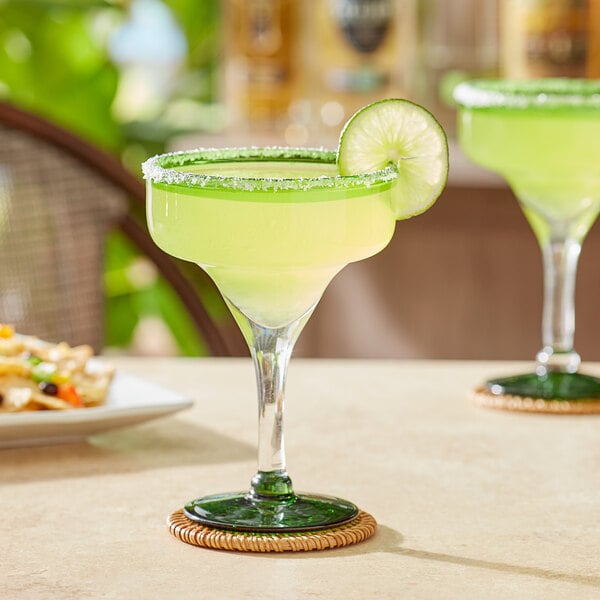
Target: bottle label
{"x":558,"y":36}
{"x":261,"y":60}
{"x":364,"y":23}
{"x":549,"y":38}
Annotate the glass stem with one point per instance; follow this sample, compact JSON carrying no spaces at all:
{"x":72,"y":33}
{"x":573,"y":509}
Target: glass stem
{"x":560,"y":255}
{"x":271,"y":349}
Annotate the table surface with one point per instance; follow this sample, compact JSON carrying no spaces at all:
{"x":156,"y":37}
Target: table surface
{"x":471,"y":503}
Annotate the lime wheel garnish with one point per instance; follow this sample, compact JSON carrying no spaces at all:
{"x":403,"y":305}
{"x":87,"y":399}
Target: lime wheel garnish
{"x":399,"y":132}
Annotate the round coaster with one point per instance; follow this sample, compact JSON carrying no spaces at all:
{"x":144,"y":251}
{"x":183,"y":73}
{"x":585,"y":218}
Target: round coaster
{"x":482,"y":397}
{"x":186,"y":530}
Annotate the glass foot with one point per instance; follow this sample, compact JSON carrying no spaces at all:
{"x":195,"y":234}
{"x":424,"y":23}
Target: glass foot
{"x":243,"y":512}
{"x":552,"y":386}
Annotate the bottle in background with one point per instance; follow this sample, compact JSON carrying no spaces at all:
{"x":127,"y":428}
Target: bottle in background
{"x":356,"y":51}
{"x":262,"y":62}
{"x":550,"y":38}
{"x":458,"y":39}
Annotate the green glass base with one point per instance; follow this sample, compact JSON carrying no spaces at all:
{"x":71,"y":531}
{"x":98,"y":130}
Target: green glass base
{"x":553,"y":386}
{"x":243,"y":512}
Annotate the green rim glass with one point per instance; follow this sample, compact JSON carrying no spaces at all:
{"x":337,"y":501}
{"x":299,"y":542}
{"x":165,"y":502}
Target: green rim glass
{"x":539,"y":135}
{"x":170,"y":169}
{"x":219,"y":179}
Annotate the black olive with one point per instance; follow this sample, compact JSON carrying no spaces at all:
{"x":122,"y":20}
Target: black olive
{"x":50,"y":389}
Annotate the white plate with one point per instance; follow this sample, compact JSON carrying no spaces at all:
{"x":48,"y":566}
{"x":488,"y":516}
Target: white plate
{"x":131,"y":400}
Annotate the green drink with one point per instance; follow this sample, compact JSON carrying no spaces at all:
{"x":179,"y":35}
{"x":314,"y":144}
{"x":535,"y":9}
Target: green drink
{"x":272,"y":227}
{"x":272,"y":248}
{"x":543,"y":137}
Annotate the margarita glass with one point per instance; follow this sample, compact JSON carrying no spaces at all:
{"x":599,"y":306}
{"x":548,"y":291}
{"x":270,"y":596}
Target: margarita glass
{"x":271,"y":227}
{"x":543,"y":137}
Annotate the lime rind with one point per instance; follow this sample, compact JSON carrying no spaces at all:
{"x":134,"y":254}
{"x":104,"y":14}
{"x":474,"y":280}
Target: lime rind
{"x":405,"y":134}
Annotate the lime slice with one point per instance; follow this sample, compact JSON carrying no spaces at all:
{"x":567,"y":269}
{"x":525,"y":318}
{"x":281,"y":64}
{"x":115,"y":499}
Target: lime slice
{"x":403,"y":133}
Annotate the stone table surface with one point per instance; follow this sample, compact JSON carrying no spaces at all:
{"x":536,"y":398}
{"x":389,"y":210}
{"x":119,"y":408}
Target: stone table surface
{"x":471,"y":503}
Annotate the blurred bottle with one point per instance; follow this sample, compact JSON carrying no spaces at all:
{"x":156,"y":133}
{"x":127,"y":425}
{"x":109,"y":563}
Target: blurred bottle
{"x":357,"y":51}
{"x":458,"y":39}
{"x":262,"y":61}
{"x":550,"y":38}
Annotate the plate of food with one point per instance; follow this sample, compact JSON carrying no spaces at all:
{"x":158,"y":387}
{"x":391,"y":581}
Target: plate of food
{"x":56,"y":393}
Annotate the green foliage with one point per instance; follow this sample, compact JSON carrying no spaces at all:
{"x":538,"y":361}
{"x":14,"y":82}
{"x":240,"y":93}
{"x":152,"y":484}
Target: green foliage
{"x":200,"y":24}
{"x":132,"y":296}
{"x":55,"y":61}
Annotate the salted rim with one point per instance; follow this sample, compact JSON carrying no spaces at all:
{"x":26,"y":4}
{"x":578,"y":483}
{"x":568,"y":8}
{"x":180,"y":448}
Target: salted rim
{"x":155,"y":170}
{"x":531,"y":93}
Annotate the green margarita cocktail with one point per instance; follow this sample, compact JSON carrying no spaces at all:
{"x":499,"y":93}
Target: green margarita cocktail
{"x":272,"y":227}
{"x":543,"y":137}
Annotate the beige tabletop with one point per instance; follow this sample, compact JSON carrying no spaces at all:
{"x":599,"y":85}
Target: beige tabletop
{"x":471,"y":503}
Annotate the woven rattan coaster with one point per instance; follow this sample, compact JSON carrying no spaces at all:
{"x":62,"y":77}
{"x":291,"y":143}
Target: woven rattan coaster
{"x":482,"y":397}
{"x":186,"y":530}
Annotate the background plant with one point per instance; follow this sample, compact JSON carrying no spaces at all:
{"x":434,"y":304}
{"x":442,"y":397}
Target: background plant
{"x":128,"y":76}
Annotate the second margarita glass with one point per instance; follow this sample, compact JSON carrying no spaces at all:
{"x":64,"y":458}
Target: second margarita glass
{"x":543,"y":137}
